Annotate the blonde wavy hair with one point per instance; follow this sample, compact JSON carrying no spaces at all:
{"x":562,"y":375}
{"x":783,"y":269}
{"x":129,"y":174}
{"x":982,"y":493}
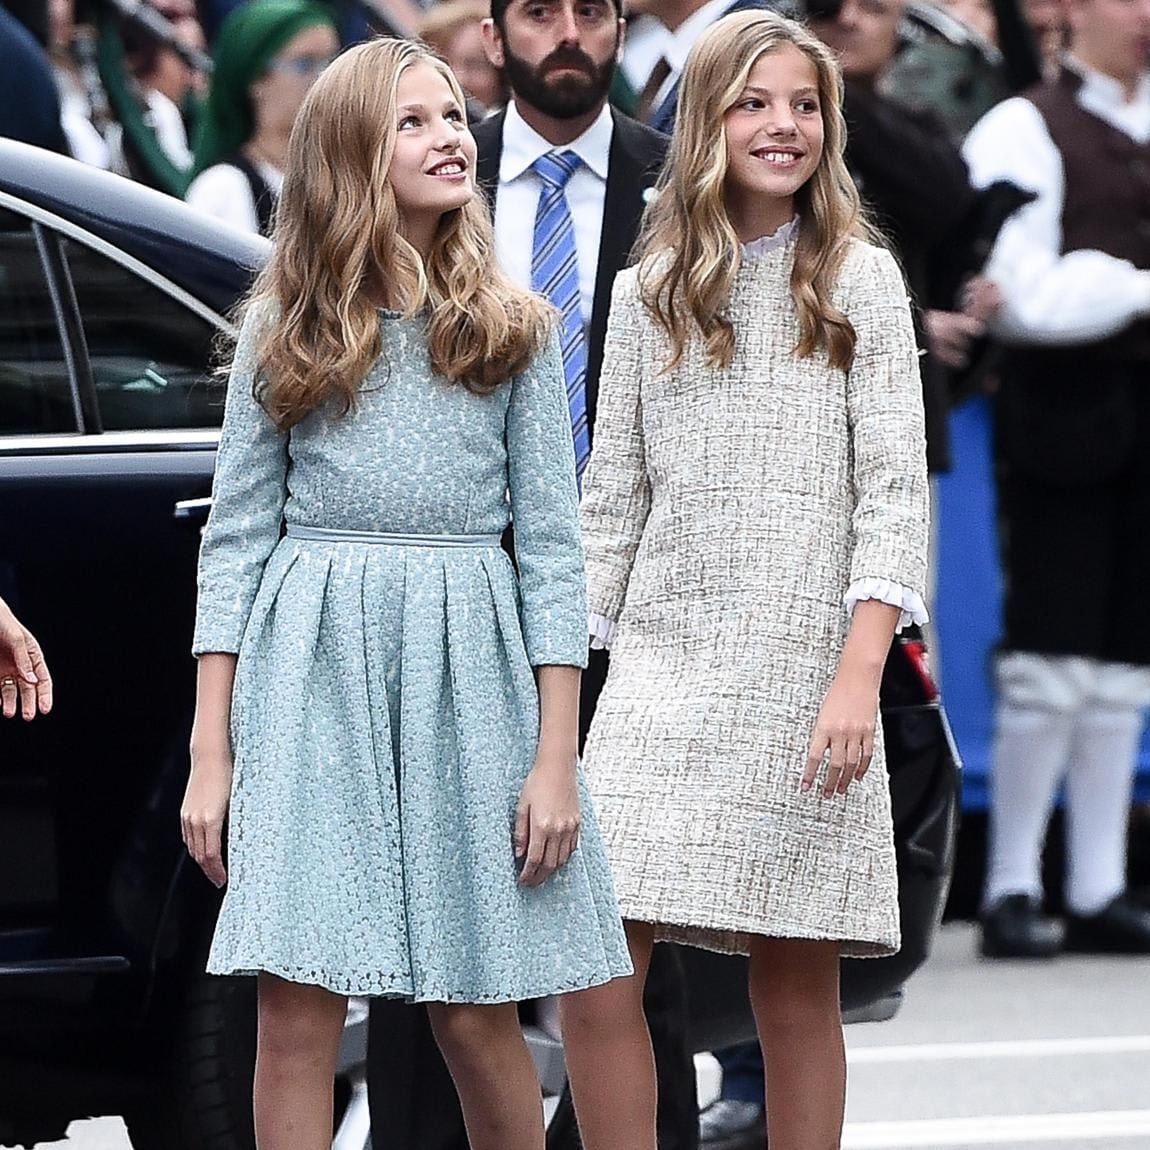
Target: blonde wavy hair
{"x":339,"y":252}
{"x":688,"y":250}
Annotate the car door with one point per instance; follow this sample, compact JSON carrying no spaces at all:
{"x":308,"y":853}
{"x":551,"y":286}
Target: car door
{"x":109,"y":419}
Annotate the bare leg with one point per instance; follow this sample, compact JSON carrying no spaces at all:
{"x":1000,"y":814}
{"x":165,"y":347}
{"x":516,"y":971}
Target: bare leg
{"x":795,"y":995}
{"x":299,"y":1034}
{"x":609,"y":1058}
{"x":491,"y":1066}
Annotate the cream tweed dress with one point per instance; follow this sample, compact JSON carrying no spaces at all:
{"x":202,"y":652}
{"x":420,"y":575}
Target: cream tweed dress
{"x":725,"y":514}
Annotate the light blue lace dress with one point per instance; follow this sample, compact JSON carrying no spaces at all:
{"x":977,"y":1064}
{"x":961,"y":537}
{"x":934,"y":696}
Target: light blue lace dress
{"x":385,"y":712}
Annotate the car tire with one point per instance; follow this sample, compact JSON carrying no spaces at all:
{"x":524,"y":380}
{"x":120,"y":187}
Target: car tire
{"x":203,"y":1099}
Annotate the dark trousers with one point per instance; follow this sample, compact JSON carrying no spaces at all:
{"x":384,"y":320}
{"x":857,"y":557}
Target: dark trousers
{"x":413,"y":1100}
{"x":742,"y":1072}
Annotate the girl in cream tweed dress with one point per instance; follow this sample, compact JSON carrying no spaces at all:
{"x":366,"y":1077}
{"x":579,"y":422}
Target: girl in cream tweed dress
{"x":755,"y":526}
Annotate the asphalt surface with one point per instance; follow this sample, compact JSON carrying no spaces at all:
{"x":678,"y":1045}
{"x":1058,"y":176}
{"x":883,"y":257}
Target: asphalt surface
{"x":987,"y":1055}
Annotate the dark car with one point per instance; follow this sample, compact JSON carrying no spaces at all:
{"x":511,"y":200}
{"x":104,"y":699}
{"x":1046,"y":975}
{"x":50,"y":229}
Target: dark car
{"x":112,"y":298}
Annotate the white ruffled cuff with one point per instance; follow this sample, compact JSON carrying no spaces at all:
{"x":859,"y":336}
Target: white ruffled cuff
{"x":913,"y":608}
{"x":602,"y":631}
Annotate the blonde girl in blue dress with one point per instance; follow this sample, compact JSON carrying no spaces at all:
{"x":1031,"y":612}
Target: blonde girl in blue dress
{"x":387,"y":709}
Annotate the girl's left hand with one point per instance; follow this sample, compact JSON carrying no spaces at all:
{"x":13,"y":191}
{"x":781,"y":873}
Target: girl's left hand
{"x":845,"y":728}
{"x":547,"y":819}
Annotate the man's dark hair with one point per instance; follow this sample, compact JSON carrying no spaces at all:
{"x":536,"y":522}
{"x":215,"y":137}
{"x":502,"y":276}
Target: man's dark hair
{"x":499,"y":10}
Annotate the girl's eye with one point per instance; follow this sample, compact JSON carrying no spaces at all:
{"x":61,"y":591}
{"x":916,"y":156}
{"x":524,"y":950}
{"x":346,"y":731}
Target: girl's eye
{"x":808,"y":107}
{"x":455,"y":116}
{"x":751,"y":104}
{"x":408,"y":122}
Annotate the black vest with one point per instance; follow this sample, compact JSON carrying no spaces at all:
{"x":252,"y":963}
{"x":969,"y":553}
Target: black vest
{"x":1068,"y":413}
{"x":262,"y":195}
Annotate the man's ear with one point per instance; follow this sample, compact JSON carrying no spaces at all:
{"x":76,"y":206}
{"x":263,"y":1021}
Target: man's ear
{"x":493,"y":42}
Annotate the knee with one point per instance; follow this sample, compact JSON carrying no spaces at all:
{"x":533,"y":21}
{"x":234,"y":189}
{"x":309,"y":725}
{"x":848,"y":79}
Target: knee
{"x":298,"y":1022}
{"x":795,"y":1011}
{"x":601,"y":1011}
{"x":795,"y":986}
{"x":466,"y":1031}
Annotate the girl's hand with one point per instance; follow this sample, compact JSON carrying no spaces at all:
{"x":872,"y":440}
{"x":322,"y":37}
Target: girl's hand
{"x":547,"y":819}
{"x":845,"y":728}
{"x":204,"y":809}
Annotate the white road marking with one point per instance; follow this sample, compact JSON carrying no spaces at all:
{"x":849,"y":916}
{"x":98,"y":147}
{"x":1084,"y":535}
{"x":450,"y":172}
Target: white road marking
{"x":1012,"y":1130}
{"x":1018,"y":1048}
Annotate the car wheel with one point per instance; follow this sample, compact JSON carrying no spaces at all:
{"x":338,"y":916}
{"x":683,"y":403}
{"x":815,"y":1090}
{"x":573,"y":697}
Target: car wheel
{"x":203,"y":1100}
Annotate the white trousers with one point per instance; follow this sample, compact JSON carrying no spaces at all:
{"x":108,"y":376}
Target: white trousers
{"x":1073,"y":720}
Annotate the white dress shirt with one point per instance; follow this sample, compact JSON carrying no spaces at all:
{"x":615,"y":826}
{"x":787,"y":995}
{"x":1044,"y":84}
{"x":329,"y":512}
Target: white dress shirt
{"x":517,"y":198}
{"x":678,"y":44}
{"x":643,"y":48}
{"x":1050,"y":298}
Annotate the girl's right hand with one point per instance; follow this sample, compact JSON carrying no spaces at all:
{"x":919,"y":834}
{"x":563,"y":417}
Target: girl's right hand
{"x":204,"y":809}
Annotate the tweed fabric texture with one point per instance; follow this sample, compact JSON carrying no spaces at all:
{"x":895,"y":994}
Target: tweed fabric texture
{"x":385,"y":713}
{"x":725,"y":514}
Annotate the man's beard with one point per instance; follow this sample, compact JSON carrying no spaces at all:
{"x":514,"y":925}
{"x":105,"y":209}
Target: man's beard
{"x":566,"y":97}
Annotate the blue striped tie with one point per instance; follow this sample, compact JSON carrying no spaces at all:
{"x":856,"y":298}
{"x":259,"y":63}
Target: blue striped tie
{"x":555,"y":274}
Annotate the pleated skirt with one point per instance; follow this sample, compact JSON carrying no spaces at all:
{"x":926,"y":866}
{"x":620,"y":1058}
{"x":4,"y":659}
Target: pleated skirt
{"x":384,"y":720}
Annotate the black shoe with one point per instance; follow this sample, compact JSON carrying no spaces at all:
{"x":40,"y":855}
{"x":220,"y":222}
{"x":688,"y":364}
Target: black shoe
{"x":1122,"y":927}
{"x":731,"y":1125}
{"x":1015,"y":927}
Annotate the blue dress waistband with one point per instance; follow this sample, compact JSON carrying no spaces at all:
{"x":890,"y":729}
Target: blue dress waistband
{"x":388,"y":538}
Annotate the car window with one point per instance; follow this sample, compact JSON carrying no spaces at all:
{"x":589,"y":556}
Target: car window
{"x":35,"y":388}
{"x":151,"y":356}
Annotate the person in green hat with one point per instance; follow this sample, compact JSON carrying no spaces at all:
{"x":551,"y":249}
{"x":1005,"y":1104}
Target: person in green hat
{"x":267,"y":55}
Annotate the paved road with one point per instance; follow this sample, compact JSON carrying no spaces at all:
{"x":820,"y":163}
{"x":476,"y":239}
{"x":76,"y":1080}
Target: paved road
{"x":993,"y":1056}
{"x":1007,"y":1055}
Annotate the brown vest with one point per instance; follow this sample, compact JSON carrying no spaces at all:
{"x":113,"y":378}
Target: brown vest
{"x":1070,"y":414}
{"x":1107,"y":190}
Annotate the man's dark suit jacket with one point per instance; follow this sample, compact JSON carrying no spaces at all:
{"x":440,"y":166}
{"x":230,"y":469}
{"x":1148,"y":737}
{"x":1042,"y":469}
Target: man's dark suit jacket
{"x":412,"y":1099}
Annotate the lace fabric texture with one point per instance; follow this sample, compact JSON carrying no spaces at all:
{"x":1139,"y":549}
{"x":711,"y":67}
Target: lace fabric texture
{"x":385,"y":712}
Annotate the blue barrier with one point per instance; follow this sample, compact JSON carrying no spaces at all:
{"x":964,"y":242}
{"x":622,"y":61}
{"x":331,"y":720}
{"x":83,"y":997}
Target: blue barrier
{"x":968,"y":610}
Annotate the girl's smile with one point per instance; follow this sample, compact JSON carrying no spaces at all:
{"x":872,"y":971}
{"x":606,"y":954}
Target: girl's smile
{"x":454,"y":168}
{"x":779,"y":157}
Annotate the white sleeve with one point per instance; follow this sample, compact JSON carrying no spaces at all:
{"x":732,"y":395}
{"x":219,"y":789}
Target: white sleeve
{"x":84,"y":141}
{"x":908,"y":601}
{"x":1048,"y":298}
{"x":222,"y":191}
{"x":601,"y":631}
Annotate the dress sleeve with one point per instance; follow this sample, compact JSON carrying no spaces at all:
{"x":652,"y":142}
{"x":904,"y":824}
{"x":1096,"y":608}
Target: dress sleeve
{"x":545,"y":514}
{"x":248,"y":497}
{"x":884,"y":403}
{"x":616,"y":490}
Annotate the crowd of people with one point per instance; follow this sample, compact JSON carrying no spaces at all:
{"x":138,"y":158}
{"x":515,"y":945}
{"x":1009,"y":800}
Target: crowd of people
{"x":1000,"y":150}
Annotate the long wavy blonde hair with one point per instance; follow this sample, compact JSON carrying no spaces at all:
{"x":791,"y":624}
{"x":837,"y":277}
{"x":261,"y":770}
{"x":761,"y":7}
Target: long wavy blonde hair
{"x":339,"y":249}
{"x":688,"y":250}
